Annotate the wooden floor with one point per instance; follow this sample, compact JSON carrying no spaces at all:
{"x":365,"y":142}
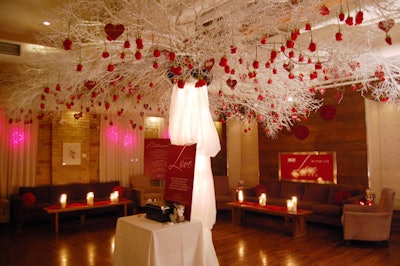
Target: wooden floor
{"x":260,"y":242}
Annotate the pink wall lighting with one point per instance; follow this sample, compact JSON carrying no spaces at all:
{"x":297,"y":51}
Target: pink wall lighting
{"x":17,"y":136}
{"x":129,"y":139}
{"x":112,"y":133}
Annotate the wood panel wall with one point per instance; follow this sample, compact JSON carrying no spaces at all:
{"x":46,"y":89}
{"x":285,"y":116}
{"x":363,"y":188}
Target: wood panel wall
{"x":345,"y":134}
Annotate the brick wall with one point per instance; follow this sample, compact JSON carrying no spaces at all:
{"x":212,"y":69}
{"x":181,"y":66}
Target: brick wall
{"x":67,"y":129}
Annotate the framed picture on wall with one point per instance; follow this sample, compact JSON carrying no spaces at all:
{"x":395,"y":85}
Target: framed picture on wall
{"x":71,"y":154}
{"x":315,"y":167}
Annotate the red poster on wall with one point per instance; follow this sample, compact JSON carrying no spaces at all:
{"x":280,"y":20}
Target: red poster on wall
{"x":156,"y":157}
{"x":180,"y":176}
{"x":318,"y":167}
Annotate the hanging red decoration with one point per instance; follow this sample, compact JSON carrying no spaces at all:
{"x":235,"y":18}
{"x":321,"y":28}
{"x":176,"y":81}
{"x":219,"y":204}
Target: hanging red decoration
{"x":113,"y":31}
{"x":301,"y":132}
{"x":328,"y":112}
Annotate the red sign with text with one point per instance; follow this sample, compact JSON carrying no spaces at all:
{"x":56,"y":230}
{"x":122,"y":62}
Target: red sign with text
{"x":180,"y":175}
{"x":156,"y":157}
{"x":318,"y":167}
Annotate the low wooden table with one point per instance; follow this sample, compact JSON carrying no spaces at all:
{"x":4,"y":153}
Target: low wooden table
{"x":81,"y":206}
{"x":294,"y":220}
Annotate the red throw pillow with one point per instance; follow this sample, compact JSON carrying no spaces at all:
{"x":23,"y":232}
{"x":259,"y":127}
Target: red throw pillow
{"x":28,"y":198}
{"x":340,"y":196}
{"x":120,"y":190}
{"x":260,"y":188}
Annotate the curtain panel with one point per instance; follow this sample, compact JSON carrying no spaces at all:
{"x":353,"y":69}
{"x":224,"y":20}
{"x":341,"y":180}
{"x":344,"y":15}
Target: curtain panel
{"x":18,"y":154}
{"x":121,"y":149}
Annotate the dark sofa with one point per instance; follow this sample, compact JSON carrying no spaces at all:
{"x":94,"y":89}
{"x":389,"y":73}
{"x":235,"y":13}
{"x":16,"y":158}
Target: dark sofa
{"x":325,"y":200}
{"x":27,"y":206}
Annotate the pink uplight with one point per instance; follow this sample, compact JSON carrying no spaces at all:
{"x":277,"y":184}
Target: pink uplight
{"x":129,"y":139}
{"x":112,"y":133}
{"x":17,"y":137}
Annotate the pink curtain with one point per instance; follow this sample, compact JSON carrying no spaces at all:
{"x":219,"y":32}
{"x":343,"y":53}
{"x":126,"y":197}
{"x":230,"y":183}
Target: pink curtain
{"x":121,"y":148}
{"x":18,"y":154}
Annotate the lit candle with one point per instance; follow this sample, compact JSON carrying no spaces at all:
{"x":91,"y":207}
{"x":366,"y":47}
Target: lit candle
{"x":240,"y":196}
{"x":263,"y":199}
{"x":112,"y":197}
{"x":294,"y":200}
{"x":289,"y":205}
{"x":116,"y":195}
{"x":63,"y":200}
{"x":89,"y":198}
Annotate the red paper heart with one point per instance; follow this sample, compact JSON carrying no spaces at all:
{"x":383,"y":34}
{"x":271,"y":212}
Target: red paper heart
{"x":114,"y":31}
{"x":379,"y":74}
{"x":90,"y":84}
{"x":386,"y":25}
{"x":208,"y":64}
{"x":231,"y":83}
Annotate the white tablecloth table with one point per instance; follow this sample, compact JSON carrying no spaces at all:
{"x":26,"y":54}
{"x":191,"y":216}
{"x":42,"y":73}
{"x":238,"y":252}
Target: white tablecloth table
{"x":141,"y":242}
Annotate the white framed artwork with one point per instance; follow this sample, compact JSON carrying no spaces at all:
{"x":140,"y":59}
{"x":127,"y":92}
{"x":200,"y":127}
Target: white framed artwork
{"x":71,"y":154}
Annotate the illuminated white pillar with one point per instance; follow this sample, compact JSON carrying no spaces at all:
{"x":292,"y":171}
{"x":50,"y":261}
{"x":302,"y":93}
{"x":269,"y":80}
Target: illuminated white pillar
{"x":190,"y":121}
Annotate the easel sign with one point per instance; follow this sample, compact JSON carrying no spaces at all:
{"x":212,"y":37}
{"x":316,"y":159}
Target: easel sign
{"x":314,"y":167}
{"x":180,"y":175}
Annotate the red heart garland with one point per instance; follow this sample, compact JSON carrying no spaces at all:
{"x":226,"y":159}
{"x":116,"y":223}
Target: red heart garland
{"x":231,"y":83}
{"x":208,"y":64}
{"x":386,"y":25}
{"x":114,"y":31}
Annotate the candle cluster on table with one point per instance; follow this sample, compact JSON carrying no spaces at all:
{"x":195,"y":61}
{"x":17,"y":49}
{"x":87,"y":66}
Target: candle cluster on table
{"x":240,"y":196}
{"x":90,"y":198}
{"x":114,"y":197}
{"x":262,"y":199}
{"x":291,"y":204}
{"x":63,"y":200}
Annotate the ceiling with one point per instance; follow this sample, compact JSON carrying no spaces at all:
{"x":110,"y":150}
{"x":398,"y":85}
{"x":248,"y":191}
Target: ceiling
{"x":21,"y":20}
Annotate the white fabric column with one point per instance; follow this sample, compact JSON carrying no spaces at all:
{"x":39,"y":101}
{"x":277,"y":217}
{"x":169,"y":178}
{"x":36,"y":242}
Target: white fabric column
{"x":190,"y":121}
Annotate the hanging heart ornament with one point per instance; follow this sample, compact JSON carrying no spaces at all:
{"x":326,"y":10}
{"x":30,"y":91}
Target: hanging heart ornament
{"x":114,"y":31}
{"x":231,"y":83}
{"x":386,"y":25}
{"x":208,"y":64}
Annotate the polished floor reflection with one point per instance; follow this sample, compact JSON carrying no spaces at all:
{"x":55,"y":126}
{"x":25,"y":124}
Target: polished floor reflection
{"x":260,"y":242}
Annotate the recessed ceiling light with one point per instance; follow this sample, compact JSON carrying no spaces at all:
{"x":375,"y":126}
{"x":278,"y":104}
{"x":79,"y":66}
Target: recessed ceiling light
{"x":46,"y":23}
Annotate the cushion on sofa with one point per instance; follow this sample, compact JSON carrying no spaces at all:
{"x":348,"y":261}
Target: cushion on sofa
{"x":327,"y":209}
{"x":103,"y":189}
{"x":317,"y":193}
{"x":273,"y":188}
{"x":41,"y":193}
{"x":56,"y":191}
{"x":259,"y":189}
{"x":290,"y":189}
{"x":81,"y":190}
{"x":28,"y":198}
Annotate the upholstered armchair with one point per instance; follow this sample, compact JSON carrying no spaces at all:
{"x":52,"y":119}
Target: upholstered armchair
{"x":143,"y":190}
{"x":369,"y":223}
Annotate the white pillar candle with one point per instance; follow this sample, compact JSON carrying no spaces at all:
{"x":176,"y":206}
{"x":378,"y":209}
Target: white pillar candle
{"x":289,"y":205}
{"x":263,"y":199}
{"x":63,"y":200}
{"x":116,"y":195}
{"x":112,"y":197}
{"x":90,"y":198}
{"x":240,"y":196}
{"x":294,"y":200}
